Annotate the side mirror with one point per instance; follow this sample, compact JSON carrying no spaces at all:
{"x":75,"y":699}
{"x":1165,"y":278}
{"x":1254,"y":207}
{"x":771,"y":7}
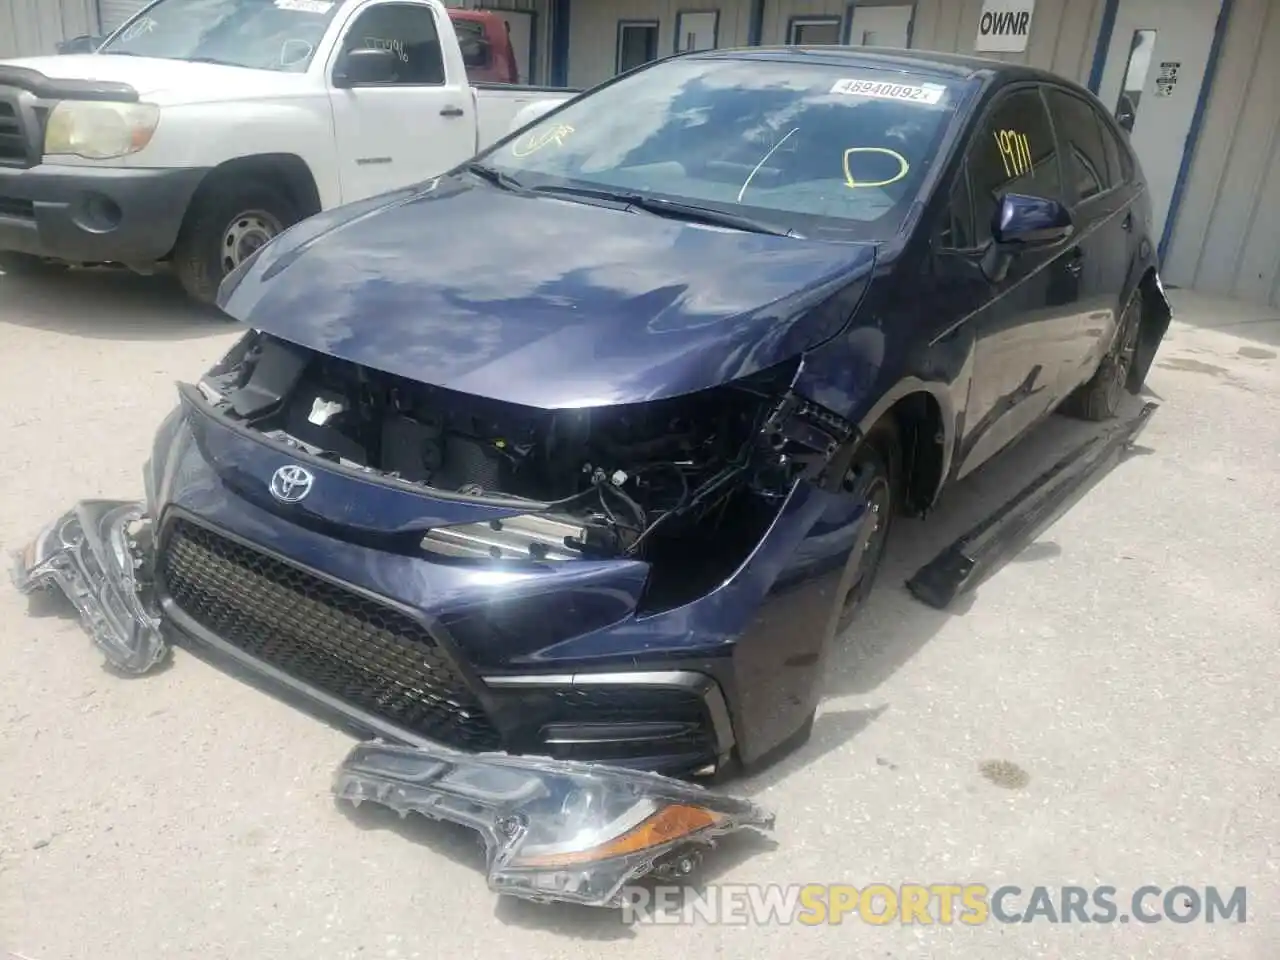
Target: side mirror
{"x":366,"y":65}
{"x":1023,"y":223}
{"x":475,"y":53}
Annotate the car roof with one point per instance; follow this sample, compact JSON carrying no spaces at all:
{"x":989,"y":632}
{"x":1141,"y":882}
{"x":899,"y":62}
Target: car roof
{"x":951,"y":66}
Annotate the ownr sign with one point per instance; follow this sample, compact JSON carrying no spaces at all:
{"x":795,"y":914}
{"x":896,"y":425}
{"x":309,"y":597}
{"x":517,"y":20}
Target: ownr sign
{"x":1004,"y":26}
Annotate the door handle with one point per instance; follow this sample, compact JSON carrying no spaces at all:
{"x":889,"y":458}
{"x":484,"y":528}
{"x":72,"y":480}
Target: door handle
{"x":452,"y":112}
{"x":1127,"y":222}
{"x":1075,"y":261}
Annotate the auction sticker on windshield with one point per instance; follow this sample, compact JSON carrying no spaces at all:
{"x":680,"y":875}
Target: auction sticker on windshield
{"x":926,"y":93}
{"x":305,"y":6}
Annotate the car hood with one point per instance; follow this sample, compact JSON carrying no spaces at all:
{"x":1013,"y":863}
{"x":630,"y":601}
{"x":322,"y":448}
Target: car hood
{"x":168,"y":82}
{"x":545,"y":302}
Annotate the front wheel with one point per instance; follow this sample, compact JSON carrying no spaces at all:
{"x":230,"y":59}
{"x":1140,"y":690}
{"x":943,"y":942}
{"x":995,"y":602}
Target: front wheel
{"x":226,"y":224}
{"x":874,"y":475}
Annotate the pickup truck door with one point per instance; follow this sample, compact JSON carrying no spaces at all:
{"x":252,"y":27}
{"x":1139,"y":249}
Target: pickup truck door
{"x":410,"y":126}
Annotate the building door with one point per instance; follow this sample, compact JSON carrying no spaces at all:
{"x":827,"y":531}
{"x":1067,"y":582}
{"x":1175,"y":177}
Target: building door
{"x":880,"y":26}
{"x":1153,"y":72}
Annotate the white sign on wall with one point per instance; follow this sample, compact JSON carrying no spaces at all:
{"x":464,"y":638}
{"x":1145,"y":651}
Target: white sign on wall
{"x":1004,"y":26}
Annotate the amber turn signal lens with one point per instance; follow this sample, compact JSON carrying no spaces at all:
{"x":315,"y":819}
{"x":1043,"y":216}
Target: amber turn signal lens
{"x":670,"y":823}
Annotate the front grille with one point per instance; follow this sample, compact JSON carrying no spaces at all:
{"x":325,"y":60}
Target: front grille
{"x":357,"y":649}
{"x":13,"y":141}
{"x":13,"y":207}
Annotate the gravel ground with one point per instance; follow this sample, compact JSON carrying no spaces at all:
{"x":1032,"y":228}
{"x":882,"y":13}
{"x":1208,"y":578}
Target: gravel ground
{"x":1104,"y":711}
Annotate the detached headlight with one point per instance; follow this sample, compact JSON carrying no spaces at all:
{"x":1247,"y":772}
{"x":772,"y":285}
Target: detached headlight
{"x":99,"y":131}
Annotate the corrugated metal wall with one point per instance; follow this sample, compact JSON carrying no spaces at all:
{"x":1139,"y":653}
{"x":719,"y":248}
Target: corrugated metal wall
{"x":116,"y":12}
{"x":1064,"y":33}
{"x":1226,"y":239}
{"x":30,"y":28}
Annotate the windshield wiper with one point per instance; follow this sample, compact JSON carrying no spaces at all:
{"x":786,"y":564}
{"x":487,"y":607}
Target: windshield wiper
{"x":676,"y":210}
{"x":215,"y":60}
{"x":496,"y":177}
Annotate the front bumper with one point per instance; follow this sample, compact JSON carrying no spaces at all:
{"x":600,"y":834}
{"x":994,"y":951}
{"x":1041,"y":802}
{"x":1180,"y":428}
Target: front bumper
{"x":552,"y":829}
{"x":94,"y":214}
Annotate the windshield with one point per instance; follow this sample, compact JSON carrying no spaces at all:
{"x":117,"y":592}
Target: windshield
{"x":821,"y":150}
{"x":259,"y":34}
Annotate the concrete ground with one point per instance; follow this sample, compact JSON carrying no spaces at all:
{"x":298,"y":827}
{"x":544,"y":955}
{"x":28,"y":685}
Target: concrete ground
{"x":1123,"y":667}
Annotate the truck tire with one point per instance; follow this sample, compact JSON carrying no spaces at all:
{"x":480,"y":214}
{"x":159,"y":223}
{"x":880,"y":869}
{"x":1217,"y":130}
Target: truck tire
{"x":226,"y":223}
{"x":15,"y":264}
{"x":1099,"y":399}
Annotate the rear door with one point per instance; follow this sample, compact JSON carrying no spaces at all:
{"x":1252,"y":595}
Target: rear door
{"x":1100,"y":207}
{"x":1015,"y":321}
{"x":408,"y":129}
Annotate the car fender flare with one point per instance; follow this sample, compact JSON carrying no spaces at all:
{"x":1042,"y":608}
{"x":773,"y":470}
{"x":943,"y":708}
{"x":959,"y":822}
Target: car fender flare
{"x":904,"y":388}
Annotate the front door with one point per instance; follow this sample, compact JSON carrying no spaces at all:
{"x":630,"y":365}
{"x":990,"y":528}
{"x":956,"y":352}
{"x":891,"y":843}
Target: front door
{"x":1154,"y":69}
{"x":410,"y":128}
{"x":880,"y":26}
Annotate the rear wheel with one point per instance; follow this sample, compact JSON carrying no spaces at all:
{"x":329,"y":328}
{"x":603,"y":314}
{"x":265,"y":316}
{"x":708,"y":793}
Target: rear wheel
{"x":227,"y":223}
{"x":1100,"y":398}
{"x":875,"y":475}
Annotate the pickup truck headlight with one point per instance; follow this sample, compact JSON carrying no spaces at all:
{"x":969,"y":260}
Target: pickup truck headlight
{"x":99,"y":131}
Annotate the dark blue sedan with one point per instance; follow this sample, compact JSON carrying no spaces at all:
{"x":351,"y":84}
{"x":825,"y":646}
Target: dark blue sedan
{"x":588,"y":448}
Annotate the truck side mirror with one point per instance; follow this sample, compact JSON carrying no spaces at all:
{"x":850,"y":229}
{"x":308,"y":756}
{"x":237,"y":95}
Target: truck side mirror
{"x":366,"y":65}
{"x":475,"y":53}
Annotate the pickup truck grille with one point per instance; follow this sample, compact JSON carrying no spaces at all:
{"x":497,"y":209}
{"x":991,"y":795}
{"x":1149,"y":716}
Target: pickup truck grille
{"x":350,"y":646}
{"x":14,"y":151}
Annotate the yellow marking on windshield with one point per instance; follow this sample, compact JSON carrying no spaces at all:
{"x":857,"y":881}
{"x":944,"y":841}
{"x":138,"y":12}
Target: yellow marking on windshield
{"x":539,"y":139}
{"x":852,"y":184}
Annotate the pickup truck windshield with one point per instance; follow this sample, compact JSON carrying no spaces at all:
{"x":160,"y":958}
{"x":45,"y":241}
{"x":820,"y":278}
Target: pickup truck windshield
{"x":823,"y":151}
{"x":259,"y":34}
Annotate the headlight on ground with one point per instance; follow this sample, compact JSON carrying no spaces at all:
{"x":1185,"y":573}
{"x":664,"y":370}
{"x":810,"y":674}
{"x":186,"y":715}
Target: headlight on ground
{"x":99,"y":131}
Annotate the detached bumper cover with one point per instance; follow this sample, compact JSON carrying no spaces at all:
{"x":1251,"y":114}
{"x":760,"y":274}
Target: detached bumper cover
{"x":552,"y":829}
{"x":88,"y":553}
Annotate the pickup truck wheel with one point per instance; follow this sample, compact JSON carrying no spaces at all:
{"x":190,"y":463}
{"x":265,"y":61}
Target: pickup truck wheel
{"x":25,"y":265}
{"x":875,"y":473}
{"x":226,"y":224}
{"x":1099,"y":399}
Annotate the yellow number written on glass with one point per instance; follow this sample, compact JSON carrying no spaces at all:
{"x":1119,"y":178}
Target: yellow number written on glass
{"x":1015,"y":151}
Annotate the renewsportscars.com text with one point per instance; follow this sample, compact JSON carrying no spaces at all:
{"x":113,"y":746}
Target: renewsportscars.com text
{"x":970,"y":904}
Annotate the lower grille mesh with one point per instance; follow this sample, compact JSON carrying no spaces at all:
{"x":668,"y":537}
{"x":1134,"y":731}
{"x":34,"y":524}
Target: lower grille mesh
{"x":343,"y":643}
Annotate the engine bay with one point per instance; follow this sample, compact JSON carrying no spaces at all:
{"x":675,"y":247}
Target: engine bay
{"x":659,"y":480}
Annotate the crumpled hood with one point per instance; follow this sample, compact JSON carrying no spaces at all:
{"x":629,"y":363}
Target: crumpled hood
{"x":545,"y":302}
{"x":168,"y":82}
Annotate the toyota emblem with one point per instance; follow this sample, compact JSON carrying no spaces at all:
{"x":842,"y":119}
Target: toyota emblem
{"x":291,"y":483}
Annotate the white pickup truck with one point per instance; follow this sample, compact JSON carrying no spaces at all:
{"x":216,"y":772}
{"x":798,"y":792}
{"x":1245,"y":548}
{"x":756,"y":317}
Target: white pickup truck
{"x":202,"y":128}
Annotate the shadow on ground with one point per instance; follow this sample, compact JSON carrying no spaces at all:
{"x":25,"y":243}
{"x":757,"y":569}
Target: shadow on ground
{"x":109,"y":304}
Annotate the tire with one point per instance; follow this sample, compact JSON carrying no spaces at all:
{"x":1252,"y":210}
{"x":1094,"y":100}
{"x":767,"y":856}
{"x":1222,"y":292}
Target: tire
{"x":877,"y":462}
{"x":1100,"y":398}
{"x":226,"y":222}
{"x":15,"y":264}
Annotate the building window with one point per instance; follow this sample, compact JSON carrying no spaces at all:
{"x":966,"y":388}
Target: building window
{"x":697,"y":30}
{"x":812,"y":31}
{"x":637,"y":43}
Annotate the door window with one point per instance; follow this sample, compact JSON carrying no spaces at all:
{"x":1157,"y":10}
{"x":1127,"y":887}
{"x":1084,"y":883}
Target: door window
{"x":814,"y":31}
{"x":637,"y":44}
{"x":1013,"y":152}
{"x":409,"y":32}
{"x":956,"y":232}
{"x":1119,"y":166}
{"x":1080,"y":133}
